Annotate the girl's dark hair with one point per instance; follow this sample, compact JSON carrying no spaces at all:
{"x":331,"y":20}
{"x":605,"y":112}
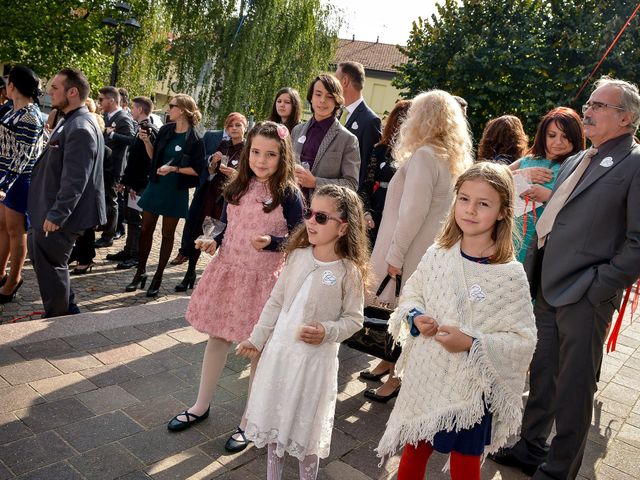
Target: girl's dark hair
{"x":567,"y":120}
{"x":296,"y":108}
{"x":393,"y":122}
{"x":332,"y":85}
{"x":281,"y":183}
{"x":354,"y":245}
{"x":25,"y":81}
{"x":503,"y":136}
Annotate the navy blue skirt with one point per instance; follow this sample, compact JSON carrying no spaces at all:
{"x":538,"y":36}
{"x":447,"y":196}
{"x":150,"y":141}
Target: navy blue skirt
{"x":16,"y":198}
{"x":469,"y":441}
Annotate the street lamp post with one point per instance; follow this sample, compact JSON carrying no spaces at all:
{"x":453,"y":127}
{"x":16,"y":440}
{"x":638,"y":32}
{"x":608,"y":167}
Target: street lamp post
{"x":117,"y":24}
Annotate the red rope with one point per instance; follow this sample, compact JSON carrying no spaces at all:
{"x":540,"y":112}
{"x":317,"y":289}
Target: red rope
{"x":28,"y":315}
{"x":613,"y":337}
{"x":624,"y":27}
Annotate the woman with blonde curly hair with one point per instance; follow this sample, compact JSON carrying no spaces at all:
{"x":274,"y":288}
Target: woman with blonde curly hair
{"x":432,"y":149}
{"x":177,"y":158}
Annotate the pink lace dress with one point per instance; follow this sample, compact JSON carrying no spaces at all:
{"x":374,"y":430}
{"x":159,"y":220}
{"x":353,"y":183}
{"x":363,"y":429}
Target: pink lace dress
{"x":236,"y":284}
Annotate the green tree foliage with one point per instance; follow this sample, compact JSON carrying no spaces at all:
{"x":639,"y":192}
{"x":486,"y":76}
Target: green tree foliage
{"x":520,"y":57}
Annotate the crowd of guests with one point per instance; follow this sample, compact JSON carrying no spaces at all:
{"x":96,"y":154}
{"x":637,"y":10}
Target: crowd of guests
{"x":315,"y":216}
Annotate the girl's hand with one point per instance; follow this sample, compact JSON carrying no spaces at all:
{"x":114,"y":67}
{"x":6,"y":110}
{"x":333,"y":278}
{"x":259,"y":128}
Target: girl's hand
{"x":369,"y":221}
{"x":453,"y":340}
{"x":312,"y":334}
{"x":228,"y":171}
{"x":538,"y":193}
{"x":259,"y":242}
{"x":537,"y":174}
{"x":246,"y":349}
{"x":426,"y":325}
{"x":207,"y":246}
{"x":165,"y":170}
{"x":305,"y":177}
{"x":394,"y":271}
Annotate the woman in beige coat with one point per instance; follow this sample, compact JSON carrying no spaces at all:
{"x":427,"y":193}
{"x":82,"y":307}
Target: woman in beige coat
{"x":433,"y":148}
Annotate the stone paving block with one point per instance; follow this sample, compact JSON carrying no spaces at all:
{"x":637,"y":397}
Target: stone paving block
{"x":12,"y":429}
{"x":107,"y":399}
{"x":153,"y":385}
{"x":57,"y":471}
{"x":622,"y":456}
{"x":155,"y":411}
{"x":605,"y":472}
{"x":630,"y":435}
{"x":124,"y":334}
{"x":338,"y":470}
{"x":4,"y":383}
{"x":258,"y":466}
{"x":593,"y":452}
{"x":366,"y":461}
{"x":74,"y":361}
{"x":220,"y":422}
{"x":192,"y":464}
{"x":191,"y":353}
{"x":137,"y":475}
{"x":156,"y":363}
{"x":239,"y":474}
{"x":188,"y":335}
{"x":362,"y":424}
{"x":109,"y":374}
{"x":106,"y":463}
{"x":9,"y":356}
{"x":158,"y":343}
{"x":604,"y":426}
{"x":235,"y":363}
{"x":62,"y":386}
{"x":34,"y":452}
{"x":45,"y":348}
{"x":188,"y":396}
{"x":215,"y":449}
{"x":621,"y":394}
{"x":163,"y":326}
{"x":96,"y":431}
{"x":119,"y":353}
{"x":85,"y":341}
{"x":5,"y":474}
{"x":28,"y":371}
{"x":51,"y":415}
{"x":15,"y":398}
{"x":235,"y":406}
{"x":237,"y":384}
{"x":153,"y":445}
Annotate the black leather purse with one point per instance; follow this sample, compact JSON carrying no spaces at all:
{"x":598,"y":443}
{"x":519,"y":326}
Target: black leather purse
{"x":374,"y":338}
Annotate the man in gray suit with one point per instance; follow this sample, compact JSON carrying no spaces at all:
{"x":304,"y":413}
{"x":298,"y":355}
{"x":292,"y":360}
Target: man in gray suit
{"x":587,"y":251}
{"x":66,"y":195}
{"x":356,"y":115}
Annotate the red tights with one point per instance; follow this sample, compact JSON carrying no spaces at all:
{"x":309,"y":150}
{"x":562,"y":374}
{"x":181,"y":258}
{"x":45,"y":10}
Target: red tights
{"x":413,"y":463}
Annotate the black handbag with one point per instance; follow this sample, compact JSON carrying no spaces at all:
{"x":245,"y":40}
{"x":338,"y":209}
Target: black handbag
{"x":374,"y":338}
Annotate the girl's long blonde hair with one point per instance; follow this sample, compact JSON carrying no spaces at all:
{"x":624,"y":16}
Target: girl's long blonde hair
{"x":436,"y":119}
{"x":354,"y":245}
{"x":501,"y":180}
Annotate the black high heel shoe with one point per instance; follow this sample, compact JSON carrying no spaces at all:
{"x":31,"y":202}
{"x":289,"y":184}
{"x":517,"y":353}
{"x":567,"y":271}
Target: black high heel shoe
{"x":140,"y":279}
{"x":7,"y":298}
{"x":187,"y":282}
{"x":154,"y":288}
{"x":82,"y":271}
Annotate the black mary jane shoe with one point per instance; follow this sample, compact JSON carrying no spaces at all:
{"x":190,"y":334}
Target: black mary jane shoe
{"x":138,"y":280}
{"x":187,"y":282}
{"x":234,"y":446}
{"x":176,"y":425}
{"x":8,"y":298}
{"x":372,"y":395}
{"x":374,"y":377}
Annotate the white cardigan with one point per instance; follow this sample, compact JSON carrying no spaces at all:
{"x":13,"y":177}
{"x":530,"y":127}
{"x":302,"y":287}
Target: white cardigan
{"x":447,"y":391}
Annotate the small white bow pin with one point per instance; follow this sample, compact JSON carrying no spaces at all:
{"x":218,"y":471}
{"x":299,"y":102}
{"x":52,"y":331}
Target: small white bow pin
{"x":606,"y":162}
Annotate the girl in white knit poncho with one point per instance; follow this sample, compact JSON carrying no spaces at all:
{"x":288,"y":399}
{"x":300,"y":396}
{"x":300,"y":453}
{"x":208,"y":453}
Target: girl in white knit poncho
{"x":467,"y":330}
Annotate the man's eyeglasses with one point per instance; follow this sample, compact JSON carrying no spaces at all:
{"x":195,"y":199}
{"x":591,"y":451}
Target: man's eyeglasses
{"x":321,"y":218}
{"x":597,"y":106}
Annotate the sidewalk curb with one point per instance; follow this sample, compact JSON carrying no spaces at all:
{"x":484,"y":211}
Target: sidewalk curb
{"x":47,"y":329}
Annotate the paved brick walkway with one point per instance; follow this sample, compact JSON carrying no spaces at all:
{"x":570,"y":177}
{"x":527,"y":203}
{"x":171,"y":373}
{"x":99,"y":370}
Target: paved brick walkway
{"x":88,"y":397}
{"x":103,"y":288}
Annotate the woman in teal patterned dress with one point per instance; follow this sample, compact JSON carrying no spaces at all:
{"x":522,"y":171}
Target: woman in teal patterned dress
{"x":559,"y":136}
{"x":177,"y":158}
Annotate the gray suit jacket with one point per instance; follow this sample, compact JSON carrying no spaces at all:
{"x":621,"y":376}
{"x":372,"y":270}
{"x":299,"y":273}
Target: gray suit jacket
{"x":367,"y":128}
{"x":338,"y":159}
{"x":67,"y":185}
{"x":594,"y":245}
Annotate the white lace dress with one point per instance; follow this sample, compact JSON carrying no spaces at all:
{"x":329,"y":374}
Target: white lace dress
{"x":293,"y":397}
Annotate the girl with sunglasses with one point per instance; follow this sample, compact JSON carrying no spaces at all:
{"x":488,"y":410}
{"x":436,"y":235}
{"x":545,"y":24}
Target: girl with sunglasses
{"x":263,"y":204}
{"x":316,"y":303}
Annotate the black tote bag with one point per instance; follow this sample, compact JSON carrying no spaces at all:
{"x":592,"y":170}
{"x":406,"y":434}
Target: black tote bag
{"x":373,"y":338}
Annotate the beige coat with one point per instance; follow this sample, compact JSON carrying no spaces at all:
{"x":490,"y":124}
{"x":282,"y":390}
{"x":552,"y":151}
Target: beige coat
{"x":418,"y":201}
{"x":338,"y":159}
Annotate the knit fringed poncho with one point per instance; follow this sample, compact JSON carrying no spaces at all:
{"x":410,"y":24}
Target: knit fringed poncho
{"x":447,"y":391}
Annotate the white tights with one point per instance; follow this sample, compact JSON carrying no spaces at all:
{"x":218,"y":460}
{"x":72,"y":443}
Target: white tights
{"x":308,"y":467}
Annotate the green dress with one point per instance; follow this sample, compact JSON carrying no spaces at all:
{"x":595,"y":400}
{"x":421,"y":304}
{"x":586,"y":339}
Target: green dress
{"x":164,"y":197}
{"x":528,"y":162}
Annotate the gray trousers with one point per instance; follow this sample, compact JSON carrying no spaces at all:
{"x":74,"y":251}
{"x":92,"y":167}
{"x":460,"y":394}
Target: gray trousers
{"x":50,"y":257}
{"x":563,"y":383}
{"x":111,"y":203}
{"x":134,"y":226}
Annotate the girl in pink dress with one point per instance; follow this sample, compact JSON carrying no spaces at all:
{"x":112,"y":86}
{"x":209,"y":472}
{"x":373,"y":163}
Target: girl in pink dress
{"x":263,"y":204}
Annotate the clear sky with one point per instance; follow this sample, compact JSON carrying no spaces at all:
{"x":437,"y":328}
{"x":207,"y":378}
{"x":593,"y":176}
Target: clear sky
{"x":389,"y":19}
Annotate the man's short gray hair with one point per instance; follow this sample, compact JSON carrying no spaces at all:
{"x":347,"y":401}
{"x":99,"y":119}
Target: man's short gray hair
{"x":629,"y":98}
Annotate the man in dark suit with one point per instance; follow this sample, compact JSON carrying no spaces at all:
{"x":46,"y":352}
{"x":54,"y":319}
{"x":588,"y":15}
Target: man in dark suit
{"x":356,"y":116}
{"x":66,"y":195}
{"x":587,"y":251}
{"x":118,"y":134}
